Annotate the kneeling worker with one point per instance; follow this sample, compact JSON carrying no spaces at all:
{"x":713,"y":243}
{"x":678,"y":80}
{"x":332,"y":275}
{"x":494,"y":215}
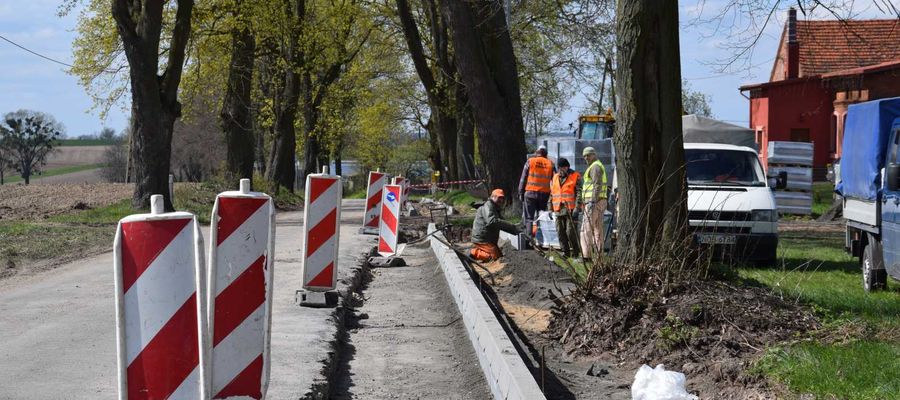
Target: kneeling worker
{"x":486,"y":228}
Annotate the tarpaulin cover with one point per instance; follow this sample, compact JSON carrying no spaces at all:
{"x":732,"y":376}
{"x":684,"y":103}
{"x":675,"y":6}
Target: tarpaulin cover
{"x":866,"y":132}
{"x":699,"y":129}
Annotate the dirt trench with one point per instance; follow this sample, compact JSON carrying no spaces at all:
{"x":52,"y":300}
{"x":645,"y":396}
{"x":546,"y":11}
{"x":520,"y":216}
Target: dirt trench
{"x":406,"y":339}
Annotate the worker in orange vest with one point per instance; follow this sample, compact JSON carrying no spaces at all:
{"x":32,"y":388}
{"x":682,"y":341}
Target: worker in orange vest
{"x":534,"y":186}
{"x":565,"y":201}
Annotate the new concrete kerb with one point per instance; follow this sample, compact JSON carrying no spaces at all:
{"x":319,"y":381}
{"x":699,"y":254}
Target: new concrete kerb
{"x":503,"y":368}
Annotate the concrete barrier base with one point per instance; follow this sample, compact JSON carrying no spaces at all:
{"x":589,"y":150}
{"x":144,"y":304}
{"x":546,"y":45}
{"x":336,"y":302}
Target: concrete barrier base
{"x":308,"y":298}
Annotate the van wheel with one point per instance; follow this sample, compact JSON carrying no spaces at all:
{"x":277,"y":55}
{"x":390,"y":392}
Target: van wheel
{"x":874,"y":274}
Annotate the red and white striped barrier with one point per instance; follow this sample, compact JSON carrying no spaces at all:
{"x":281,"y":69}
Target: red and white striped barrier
{"x":389,"y":228}
{"x":322,"y":217}
{"x":377,"y":180}
{"x":404,"y":185}
{"x":241,"y":255}
{"x":428,"y":185}
{"x":161,"y":332}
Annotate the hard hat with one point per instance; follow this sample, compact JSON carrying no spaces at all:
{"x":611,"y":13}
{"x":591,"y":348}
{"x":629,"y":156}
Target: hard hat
{"x":497,"y":193}
{"x":542,"y":147}
{"x":588,"y":150}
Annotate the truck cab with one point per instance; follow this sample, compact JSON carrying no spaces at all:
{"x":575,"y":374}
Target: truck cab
{"x":870,"y":187}
{"x":731,"y":207}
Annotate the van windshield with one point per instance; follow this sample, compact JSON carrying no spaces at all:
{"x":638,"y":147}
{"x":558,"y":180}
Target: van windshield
{"x":723,"y":167}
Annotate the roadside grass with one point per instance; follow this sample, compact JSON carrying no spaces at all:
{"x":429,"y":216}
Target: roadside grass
{"x":856,"y":355}
{"x":39,"y":241}
{"x":54,"y":172}
{"x":823,"y":197}
{"x":358,"y":194}
{"x":459,"y":199}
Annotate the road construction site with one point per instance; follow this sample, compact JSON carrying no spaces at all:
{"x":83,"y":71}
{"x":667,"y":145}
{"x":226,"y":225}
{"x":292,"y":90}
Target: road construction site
{"x":439,"y":326}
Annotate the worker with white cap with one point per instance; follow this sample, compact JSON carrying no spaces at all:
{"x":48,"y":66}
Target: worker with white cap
{"x":534,"y":186}
{"x":594,"y":198}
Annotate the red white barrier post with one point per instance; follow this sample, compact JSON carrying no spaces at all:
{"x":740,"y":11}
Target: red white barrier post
{"x":161,"y":332}
{"x":389,"y":228}
{"x":404,"y":186}
{"x":377,"y":180}
{"x":322,"y":216}
{"x":241,"y":255}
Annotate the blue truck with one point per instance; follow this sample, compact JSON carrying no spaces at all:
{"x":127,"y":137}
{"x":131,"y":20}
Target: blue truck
{"x":870,"y":186}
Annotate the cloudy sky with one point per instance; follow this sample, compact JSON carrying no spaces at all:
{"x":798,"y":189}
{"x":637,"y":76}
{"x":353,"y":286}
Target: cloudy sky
{"x":32,"y":82}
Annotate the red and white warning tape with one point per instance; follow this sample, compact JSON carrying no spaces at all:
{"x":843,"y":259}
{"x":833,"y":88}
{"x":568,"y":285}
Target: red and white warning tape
{"x":427,"y":185}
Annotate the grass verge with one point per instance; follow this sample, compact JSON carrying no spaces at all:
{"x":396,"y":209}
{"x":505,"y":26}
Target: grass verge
{"x":54,"y":172}
{"x":858,"y":353}
{"x":823,"y":197}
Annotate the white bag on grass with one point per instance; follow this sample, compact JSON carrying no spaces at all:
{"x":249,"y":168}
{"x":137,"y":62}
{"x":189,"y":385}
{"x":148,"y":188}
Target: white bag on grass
{"x":659,"y":384}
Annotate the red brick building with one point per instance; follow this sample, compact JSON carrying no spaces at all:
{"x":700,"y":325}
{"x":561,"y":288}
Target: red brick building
{"x":820,"y":68}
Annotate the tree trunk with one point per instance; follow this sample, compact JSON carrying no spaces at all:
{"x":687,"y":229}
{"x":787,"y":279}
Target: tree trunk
{"x":281,"y":170}
{"x":487,"y":66}
{"x":437,"y":163}
{"x":237,"y":119}
{"x":465,"y":138}
{"x":649,"y":147}
{"x":154,"y":96}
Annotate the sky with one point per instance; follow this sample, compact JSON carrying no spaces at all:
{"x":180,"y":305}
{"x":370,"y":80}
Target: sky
{"x":30,"y":82}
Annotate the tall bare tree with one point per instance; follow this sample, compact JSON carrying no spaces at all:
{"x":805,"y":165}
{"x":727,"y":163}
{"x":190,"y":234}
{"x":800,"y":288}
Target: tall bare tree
{"x":154,"y":88}
{"x":236,"y":115}
{"x":648,"y":138}
{"x":487,"y":66}
{"x":437,"y":80}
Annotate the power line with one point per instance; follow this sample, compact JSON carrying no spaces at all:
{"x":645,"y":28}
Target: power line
{"x":700,"y":78}
{"x":35,"y":53}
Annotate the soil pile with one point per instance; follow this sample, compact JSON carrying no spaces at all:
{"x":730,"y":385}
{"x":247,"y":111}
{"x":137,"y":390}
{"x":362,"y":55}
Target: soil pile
{"x":710,"y":330}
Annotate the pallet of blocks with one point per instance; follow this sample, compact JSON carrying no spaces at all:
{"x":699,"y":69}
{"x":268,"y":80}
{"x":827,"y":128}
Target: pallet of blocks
{"x":795,"y":159}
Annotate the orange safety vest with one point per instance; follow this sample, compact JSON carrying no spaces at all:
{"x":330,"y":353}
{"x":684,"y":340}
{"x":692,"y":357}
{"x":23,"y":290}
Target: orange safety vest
{"x":563,"y":193}
{"x":540,"y":172}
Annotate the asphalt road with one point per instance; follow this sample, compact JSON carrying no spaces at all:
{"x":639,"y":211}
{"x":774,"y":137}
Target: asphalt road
{"x":57,"y":329}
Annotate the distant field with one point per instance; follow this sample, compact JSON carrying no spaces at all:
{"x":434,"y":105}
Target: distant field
{"x":87,"y":142}
{"x":68,"y":156}
{"x":54,"y":172}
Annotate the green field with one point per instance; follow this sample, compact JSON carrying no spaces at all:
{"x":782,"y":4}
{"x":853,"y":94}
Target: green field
{"x":87,"y":142}
{"x":857,"y":354}
{"x":54,"y":172}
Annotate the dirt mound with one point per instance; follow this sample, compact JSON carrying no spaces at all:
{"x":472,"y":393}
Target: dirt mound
{"x":532,"y":278}
{"x":710,"y":330}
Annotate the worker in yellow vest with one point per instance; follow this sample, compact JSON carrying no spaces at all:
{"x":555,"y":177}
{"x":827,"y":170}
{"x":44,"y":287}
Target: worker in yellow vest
{"x":534,"y":186}
{"x":594,"y":197}
{"x":565,"y":199}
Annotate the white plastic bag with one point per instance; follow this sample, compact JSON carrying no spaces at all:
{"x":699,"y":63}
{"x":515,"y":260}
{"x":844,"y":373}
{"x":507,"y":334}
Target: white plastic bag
{"x":659,"y":384}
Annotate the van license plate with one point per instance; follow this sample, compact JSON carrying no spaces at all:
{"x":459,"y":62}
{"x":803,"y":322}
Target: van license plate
{"x":712,"y":238}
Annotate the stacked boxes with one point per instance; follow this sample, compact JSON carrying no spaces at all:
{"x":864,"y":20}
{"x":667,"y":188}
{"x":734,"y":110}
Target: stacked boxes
{"x":795,"y":158}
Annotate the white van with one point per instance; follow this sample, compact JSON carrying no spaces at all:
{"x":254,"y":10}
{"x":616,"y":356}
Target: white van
{"x":730,"y":204}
